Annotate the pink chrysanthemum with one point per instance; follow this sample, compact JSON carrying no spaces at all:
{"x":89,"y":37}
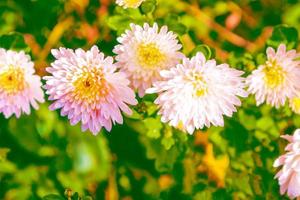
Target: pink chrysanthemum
{"x":276,"y":80}
{"x":129,"y":3}
{"x":19,"y":87}
{"x":198,"y":93}
{"x":289,"y":174}
{"x":87,"y":88}
{"x":144,"y":52}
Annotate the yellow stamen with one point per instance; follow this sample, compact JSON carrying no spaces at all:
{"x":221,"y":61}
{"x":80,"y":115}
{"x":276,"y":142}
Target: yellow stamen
{"x":200,"y":85}
{"x":90,"y":86}
{"x":149,"y":55}
{"x":12,"y":80}
{"x":274,"y":74}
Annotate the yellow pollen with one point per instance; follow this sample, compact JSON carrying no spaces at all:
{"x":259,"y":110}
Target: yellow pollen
{"x":90,"y":86}
{"x":295,"y":102}
{"x":199,"y":85}
{"x":132,"y":3}
{"x":12,"y":80}
{"x":274,"y":74}
{"x":149,"y":55}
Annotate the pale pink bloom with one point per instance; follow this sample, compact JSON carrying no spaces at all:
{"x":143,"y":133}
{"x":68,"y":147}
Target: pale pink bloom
{"x":198,"y":93}
{"x":20,"y":88}
{"x":276,"y":80}
{"x":87,"y":88}
{"x":129,"y":3}
{"x":145,"y":51}
{"x":289,"y":174}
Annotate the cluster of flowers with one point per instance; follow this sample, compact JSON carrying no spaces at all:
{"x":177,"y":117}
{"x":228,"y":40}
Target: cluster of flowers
{"x":192,"y":92}
{"x":199,"y":92}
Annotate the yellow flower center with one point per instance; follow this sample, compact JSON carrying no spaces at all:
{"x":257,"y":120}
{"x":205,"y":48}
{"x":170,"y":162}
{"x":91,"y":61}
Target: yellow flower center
{"x":90,"y":86}
{"x":149,"y":55}
{"x":132,"y":3}
{"x":12,"y":80}
{"x":274,"y":74}
{"x":199,"y":85}
{"x":296,"y":105}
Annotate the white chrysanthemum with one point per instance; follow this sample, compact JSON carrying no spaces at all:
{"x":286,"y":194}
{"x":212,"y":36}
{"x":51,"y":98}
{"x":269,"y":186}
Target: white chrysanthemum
{"x":129,"y":3}
{"x":276,"y":80}
{"x":289,"y":174}
{"x":198,"y":93}
{"x":145,"y":51}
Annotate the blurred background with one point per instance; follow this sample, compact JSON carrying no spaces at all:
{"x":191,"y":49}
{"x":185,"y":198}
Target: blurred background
{"x":43,"y":157}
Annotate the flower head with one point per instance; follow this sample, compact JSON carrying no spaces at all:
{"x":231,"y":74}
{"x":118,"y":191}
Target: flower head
{"x":87,"y":88}
{"x":289,"y":174}
{"x":145,"y":51}
{"x":198,"y":93}
{"x":19,"y":87}
{"x":129,"y":3}
{"x":276,"y":80}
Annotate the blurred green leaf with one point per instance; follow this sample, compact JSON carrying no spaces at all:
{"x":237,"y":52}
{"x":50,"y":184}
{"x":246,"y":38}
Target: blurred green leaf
{"x":284,"y":34}
{"x":148,"y":6}
{"x":13,"y":41}
{"x":53,"y":197}
{"x":154,"y":127}
{"x":3,"y":153}
{"x":173,"y":23}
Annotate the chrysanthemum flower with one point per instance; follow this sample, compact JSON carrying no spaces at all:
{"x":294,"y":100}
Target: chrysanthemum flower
{"x":87,"y":88}
{"x":19,"y":87}
{"x":276,"y":80}
{"x":198,"y":93}
{"x":129,"y":3}
{"x":289,"y":174}
{"x":144,"y":52}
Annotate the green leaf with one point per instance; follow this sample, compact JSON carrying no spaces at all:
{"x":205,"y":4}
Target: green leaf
{"x":154,"y":127}
{"x":151,"y":107}
{"x":174,"y":24}
{"x":3,"y":153}
{"x":168,"y":139}
{"x":87,"y":198}
{"x":242,"y":183}
{"x":284,"y":34}
{"x":7,"y":167}
{"x":53,"y":197}
{"x":261,"y":58}
{"x":265,"y":123}
{"x":118,"y":22}
{"x":13,"y":41}
{"x":249,"y":121}
{"x":134,"y":115}
{"x":148,"y":6}
{"x":168,"y":142}
{"x":75,"y":196}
